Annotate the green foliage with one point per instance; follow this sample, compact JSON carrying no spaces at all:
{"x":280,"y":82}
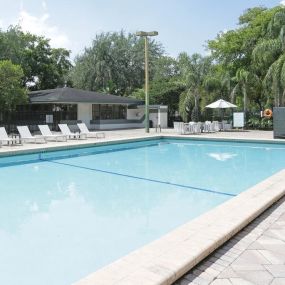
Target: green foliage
{"x":253,"y":56}
{"x":162,"y":92}
{"x":166,"y":92}
{"x":12,"y":91}
{"x":165,"y":67}
{"x":43,"y":67}
{"x":140,"y":95}
{"x":114,"y":62}
{"x":193,"y":73}
{"x":260,"y":123}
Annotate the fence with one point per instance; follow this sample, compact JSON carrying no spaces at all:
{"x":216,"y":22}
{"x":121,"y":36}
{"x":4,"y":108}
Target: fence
{"x":10,"y":120}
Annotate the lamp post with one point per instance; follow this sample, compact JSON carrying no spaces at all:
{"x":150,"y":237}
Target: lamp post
{"x":146,"y":35}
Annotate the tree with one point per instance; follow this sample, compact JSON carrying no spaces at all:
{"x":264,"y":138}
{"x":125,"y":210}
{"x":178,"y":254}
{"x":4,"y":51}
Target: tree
{"x":165,"y":68}
{"x":253,"y":57}
{"x":268,"y":55}
{"x":114,"y":63}
{"x":167,"y":92}
{"x":12,"y":91}
{"x":218,"y":84}
{"x":193,"y":70}
{"x":43,"y":67}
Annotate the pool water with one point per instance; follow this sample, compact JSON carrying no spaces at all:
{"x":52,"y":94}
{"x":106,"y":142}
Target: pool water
{"x":65,"y":214}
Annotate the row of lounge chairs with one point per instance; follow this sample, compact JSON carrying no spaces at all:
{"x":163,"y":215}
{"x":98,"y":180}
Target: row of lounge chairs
{"x":46,"y":134}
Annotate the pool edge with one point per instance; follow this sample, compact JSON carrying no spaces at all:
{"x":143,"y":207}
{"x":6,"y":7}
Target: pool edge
{"x":165,"y":260}
{"x":87,"y":143}
{"x":82,"y":144}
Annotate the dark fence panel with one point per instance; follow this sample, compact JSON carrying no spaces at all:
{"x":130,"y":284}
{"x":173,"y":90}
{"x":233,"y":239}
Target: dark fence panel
{"x":10,"y":120}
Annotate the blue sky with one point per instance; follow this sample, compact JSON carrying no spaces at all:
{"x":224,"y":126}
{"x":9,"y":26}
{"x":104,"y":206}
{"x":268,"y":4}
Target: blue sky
{"x":183,"y":25}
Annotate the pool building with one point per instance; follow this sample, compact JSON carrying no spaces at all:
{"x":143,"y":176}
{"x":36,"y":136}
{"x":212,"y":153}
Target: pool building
{"x":96,"y":110}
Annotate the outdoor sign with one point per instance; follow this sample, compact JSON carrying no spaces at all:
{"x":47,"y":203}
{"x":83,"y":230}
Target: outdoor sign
{"x":238,"y":120}
{"x":49,"y":119}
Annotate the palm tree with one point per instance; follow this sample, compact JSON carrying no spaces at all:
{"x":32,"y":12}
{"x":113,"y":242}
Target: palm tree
{"x":193,"y":70}
{"x":269,"y":55}
{"x":242,"y":79}
{"x":275,"y":80}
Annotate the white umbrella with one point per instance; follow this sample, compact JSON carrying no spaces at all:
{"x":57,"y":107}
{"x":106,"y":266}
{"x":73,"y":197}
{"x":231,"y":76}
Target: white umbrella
{"x":221,"y":104}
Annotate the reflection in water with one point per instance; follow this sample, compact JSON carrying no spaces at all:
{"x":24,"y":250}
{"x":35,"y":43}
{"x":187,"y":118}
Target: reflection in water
{"x":222,"y":156}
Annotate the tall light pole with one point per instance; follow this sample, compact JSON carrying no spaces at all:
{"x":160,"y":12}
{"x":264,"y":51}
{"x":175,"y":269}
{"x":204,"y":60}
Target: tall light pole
{"x":146,"y":35}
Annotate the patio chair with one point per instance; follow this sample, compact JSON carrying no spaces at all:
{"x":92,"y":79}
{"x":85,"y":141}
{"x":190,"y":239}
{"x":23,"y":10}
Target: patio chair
{"x":216,"y":126}
{"x":226,"y":126}
{"x":69,"y":134}
{"x":208,"y":127}
{"x":26,"y":135}
{"x":176,"y":126}
{"x":48,"y":135}
{"x":183,"y":128}
{"x":84,"y":130}
{"x":194,"y":127}
{"x":4,"y":138}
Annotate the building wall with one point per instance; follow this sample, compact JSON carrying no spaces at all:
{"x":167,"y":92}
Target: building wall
{"x":155,"y":115}
{"x":84,"y":113}
{"x":135,"y":114}
{"x":159,"y":117}
{"x":163,"y":118}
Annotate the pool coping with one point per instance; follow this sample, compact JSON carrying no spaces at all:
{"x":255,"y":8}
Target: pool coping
{"x":89,"y":143}
{"x":82,"y":144}
{"x":165,"y":260}
{"x":168,"y":258}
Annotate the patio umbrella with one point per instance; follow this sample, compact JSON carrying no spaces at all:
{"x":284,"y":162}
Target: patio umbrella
{"x":221,"y":104}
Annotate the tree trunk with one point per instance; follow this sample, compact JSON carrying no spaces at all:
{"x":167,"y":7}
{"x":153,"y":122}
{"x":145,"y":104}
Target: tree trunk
{"x":244,"y":102}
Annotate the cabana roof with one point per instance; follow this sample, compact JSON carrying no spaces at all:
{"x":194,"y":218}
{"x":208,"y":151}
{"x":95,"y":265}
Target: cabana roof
{"x":68,"y":95}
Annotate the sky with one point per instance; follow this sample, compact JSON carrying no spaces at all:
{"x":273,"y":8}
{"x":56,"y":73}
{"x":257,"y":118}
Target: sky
{"x":183,"y":25}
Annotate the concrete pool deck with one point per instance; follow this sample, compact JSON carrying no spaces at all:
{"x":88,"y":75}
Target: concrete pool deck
{"x":117,"y":135}
{"x":169,"y":258}
{"x":256,"y":255}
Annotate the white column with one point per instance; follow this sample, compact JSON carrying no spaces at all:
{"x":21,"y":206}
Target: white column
{"x":84,"y":113}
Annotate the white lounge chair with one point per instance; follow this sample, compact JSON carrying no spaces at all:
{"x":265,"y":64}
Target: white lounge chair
{"x":216,"y":126}
{"x":26,"y":135}
{"x":226,"y":126}
{"x":84,"y":130}
{"x":181,"y":128}
{"x":195,"y":128}
{"x":69,"y":134}
{"x":4,"y":138}
{"x":48,"y":135}
{"x":176,"y":126}
{"x":208,"y":127}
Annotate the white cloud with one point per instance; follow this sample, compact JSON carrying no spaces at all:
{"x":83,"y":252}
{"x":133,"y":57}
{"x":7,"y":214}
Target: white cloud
{"x":39,"y":25}
{"x":282,"y":2}
{"x":44,"y":5}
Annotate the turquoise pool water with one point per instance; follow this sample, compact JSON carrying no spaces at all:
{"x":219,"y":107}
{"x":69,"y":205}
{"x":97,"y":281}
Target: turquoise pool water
{"x":65,"y":214}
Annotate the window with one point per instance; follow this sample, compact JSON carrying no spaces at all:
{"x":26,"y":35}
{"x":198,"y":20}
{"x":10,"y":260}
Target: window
{"x":108,"y":112}
{"x":95,"y":112}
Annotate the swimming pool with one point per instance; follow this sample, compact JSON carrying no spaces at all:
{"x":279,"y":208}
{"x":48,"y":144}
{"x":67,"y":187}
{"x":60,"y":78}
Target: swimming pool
{"x":65,"y":214}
